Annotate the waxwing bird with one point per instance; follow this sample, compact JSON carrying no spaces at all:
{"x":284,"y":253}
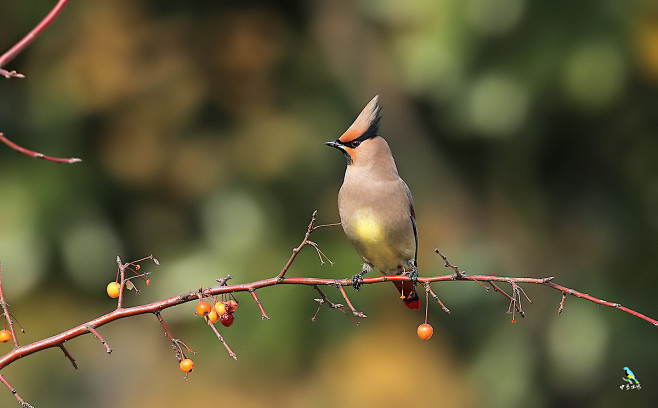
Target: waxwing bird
{"x":375,"y":205}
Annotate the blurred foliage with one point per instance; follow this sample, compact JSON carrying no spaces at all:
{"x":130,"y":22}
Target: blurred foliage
{"x":526,"y":130}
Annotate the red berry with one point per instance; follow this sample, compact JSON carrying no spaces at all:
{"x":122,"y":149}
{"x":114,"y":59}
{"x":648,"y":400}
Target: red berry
{"x":425,"y":331}
{"x":5,"y":336}
{"x":227,"y":319}
{"x":203,"y":308}
{"x":231,"y":306}
{"x":187,"y":365}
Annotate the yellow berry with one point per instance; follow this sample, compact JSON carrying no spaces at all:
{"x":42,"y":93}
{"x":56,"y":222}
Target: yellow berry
{"x":220,"y":307}
{"x":212,"y":316}
{"x":113,"y":289}
{"x":187,"y":365}
{"x":5,"y":336}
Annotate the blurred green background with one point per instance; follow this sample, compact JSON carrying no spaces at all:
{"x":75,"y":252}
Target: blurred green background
{"x":525,"y":129}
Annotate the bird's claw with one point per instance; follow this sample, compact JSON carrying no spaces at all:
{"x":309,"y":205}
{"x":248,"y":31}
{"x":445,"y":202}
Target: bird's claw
{"x":413,"y":275}
{"x":357,"y":281}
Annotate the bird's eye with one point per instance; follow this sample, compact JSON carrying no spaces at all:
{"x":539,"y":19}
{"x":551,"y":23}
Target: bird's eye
{"x":355,"y":143}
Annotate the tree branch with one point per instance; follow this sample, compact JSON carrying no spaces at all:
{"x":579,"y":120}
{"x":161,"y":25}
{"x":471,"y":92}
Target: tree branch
{"x":28,"y":39}
{"x":315,"y":283}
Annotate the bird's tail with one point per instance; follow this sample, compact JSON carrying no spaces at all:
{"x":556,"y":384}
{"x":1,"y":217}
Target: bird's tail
{"x":408,"y":294}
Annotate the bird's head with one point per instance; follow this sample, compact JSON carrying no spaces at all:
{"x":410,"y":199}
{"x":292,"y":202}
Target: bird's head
{"x":360,"y":138}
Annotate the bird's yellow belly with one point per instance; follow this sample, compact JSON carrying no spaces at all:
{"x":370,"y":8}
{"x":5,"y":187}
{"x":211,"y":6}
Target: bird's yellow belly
{"x":373,"y":242}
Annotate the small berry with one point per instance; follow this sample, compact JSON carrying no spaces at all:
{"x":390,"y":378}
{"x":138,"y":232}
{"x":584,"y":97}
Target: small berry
{"x":231,"y":306}
{"x":213,"y":316}
{"x":203,"y":308}
{"x":425,"y":331}
{"x":220,"y":307}
{"x":187,"y":365}
{"x":5,"y":336}
{"x":227,"y":319}
{"x":113,"y":289}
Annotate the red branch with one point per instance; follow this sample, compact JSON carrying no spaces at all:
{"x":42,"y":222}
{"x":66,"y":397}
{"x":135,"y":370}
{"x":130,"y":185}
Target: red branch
{"x":156,"y":307}
{"x":37,"y":155}
{"x":223,"y":289}
{"x":27,"y":40}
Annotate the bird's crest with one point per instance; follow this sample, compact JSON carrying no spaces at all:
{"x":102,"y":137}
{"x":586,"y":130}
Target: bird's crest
{"x":366,"y":125}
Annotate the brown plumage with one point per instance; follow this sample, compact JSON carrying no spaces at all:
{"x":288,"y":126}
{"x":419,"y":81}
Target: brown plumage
{"x":375,"y":204}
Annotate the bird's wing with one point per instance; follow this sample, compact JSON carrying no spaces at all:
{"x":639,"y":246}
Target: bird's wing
{"x":412,"y":215}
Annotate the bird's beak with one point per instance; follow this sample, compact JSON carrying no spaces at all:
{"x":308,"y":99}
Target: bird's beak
{"x":334,"y":143}
{"x":341,"y":147}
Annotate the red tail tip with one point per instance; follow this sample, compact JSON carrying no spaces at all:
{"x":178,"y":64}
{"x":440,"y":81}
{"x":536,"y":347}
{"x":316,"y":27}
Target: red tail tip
{"x":413,"y":305}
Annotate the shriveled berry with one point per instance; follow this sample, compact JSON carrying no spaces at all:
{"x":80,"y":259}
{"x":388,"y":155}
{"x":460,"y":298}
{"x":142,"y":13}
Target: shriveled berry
{"x":231,"y":306}
{"x":5,"y":336}
{"x":186,"y":365}
{"x":203,"y":308}
{"x":227,"y":319}
{"x":425,"y":331}
{"x":113,"y":289}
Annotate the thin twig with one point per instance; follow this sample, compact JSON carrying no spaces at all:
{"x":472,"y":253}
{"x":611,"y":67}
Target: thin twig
{"x":219,"y":336}
{"x":69,"y":356}
{"x":5,"y":311}
{"x":13,"y":391}
{"x":99,"y":337}
{"x":349,"y":304}
{"x":264,"y":315}
{"x":431,"y":292}
{"x":32,"y":35}
{"x":34,"y":154}
{"x":305,"y":242}
{"x":564,"y":297}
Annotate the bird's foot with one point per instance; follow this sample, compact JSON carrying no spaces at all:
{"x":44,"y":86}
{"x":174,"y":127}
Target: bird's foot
{"x":357,"y":280}
{"x":412,"y":274}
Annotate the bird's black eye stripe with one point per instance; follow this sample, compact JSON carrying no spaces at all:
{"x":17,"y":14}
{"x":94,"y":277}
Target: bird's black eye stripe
{"x":354,"y":143}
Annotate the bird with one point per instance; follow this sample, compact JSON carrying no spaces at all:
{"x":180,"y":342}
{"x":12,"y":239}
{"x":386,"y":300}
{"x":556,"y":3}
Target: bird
{"x":375,"y":205}
{"x":629,"y":376}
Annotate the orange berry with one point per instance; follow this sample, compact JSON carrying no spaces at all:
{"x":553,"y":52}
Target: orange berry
{"x":213,"y":316}
{"x":231,"y":306}
{"x":5,"y":336}
{"x":113,"y":289}
{"x":220,"y":307}
{"x":187,"y":365}
{"x":425,"y":331}
{"x":203,"y":308}
{"x":227,"y":319}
